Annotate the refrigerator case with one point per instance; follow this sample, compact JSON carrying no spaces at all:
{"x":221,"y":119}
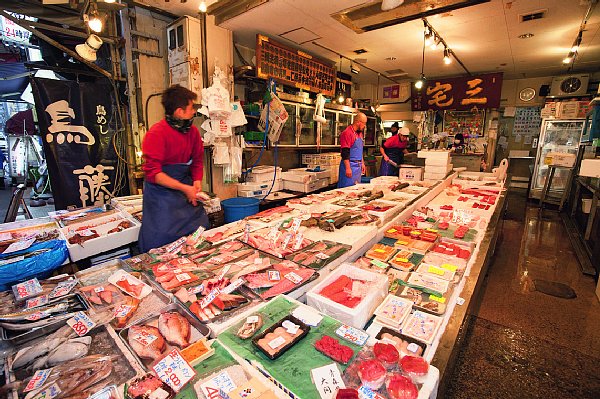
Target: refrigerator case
{"x":556,"y":135}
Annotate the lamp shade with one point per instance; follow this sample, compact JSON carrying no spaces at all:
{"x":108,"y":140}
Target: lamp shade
{"x":88,"y":49}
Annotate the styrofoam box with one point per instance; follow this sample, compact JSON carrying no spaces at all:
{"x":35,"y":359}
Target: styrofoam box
{"x":437,"y":161}
{"x":305,"y":187}
{"x":358,"y":316}
{"x":560,"y":159}
{"x":251,"y":186}
{"x":104,"y":242}
{"x":438,"y":169}
{"x":321,"y":174}
{"x":435,"y":176}
{"x":303,"y":176}
{"x":262,"y":173}
{"x":390,"y":213}
{"x":590,"y":167}
{"x":434,"y":154}
{"x":411,"y":173}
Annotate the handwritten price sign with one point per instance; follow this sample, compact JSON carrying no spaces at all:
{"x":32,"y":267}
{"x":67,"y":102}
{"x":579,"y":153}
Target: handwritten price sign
{"x":36,"y":302}
{"x":174,"y":371}
{"x":81,"y":323}
{"x":27,"y":289}
{"x":352,"y":334}
{"x":63,"y":288}
{"x":37,"y":380}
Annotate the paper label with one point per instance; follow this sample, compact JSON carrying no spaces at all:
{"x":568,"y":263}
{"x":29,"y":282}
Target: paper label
{"x":392,"y":231}
{"x":198,"y":233}
{"x":49,"y":393}
{"x":295,"y":224}
{"x":36,"y":316}
{"x":460,"y":301}
{"x":273,"y":233}
{"x":221,"y":382}
{"x":27,"y":289}
{"x":37,"y":380}
{"x":209,"y":298}
{"x":174,"y":371}
{"x":224,"y":272}
{"x":293,"y":277}
{"x":99,"y":289}
{"x":5,"y":237}
{"x":19,"y":246}
{"x":122,"y":311}
{"x":157,"y":394}
{"x":144,"y":337}
{"x":175,"y":245}
{"x":81,"y":323}
{"x":379,"y":250}
{"x":436,"y":270}
{"x":412,"y":347}
{"x":196,"y":290}
{"x":403,"y":242}
{"x":177,"y":271}
{"x":12,"y":260}
{"x":252,"y":319}
{"x":439,"y":299}
{"x":290,"y":327}
{"x":183,"y":261}
{"x":450,"y":267}
{"x":403,"y":260}
{"x":352,"y":334}
{"x":286,"y":241}
{"x":298,"y":243}
{"x":36,"y":302}
{"x":277,"y":342}
{"x":134,"y":260}
{"x":183,"y":277}
{"x":258,"y":261}
{"x":233,"y":286}
{"x":366,"y":393}
{"x":322,"y":256}
{"x":378,"y":263}
{"x":86,"y":233}
{"x":63,"y":288}
{"x":274,"y":275}
{"x":328,"y":380}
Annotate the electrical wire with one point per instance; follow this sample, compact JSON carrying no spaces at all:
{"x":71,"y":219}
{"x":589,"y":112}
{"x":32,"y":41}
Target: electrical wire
{"x":262,"y":149}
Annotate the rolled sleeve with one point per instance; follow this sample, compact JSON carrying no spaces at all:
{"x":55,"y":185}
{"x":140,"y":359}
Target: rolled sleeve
{"x":347,"y":139}
{"x":153,"y":155}
{"x":197,"y":167}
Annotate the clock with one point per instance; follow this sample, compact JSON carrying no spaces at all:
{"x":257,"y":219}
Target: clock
{"x":527,"y":94}
{"x":570,"y":85}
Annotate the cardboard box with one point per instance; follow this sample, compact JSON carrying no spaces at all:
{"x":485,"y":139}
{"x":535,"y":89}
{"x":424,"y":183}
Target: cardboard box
{"x":411,"y":173}
{"x":560,"y":159}
{"x":590,"y":167}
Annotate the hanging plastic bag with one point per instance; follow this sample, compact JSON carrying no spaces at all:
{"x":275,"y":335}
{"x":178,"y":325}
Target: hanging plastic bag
{"x":277,"y":118}
{"x":237,"y":117}
{"x":220,"y":153}
{"x":319,"y":115}
{"x":216,"y":97}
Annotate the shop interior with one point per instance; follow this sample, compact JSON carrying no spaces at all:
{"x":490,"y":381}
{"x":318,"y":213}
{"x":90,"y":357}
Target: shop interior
{"x":447,"y":246}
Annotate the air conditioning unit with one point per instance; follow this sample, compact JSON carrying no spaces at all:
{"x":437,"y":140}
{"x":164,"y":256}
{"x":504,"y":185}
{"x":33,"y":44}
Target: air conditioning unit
{"x":569,"y":85}
{"x":184,"y":54}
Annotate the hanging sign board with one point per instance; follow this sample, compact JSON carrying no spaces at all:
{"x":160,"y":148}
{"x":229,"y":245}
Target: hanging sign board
{"x":293,"y":67}
{"x":463,"y":93}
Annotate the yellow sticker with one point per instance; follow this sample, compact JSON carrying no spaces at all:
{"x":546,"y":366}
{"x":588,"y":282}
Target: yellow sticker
{"x":402,"y":260}
{"x":432,"y":230}
{"x":417,"y":232}
{"x":436,"y":270}
{"x":450,"y":267}
{"x":380,"y":250}
{"x":403,"y":242}
{"x":392,"y":230}
{"x":439,"y":299}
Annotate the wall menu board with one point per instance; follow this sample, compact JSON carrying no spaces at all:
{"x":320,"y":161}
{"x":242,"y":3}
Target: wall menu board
{"x":527,"y":121}
{"x":293,"y":67}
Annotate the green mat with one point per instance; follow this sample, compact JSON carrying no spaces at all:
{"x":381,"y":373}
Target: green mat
{"x":292,"y":369}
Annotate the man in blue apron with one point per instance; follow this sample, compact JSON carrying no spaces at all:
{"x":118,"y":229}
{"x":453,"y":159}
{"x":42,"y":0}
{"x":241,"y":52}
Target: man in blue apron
{"x":351,"y":142}
{"x":173,"y":155}
{"x":393,"y":151}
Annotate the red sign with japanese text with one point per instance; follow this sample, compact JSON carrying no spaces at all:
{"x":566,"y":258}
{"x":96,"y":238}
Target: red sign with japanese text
{"x":463,"y":93}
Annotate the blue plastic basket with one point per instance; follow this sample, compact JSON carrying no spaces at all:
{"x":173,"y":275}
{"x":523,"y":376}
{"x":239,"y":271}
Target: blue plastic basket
{"x":365,"y":179}
{"x":239,"y":207}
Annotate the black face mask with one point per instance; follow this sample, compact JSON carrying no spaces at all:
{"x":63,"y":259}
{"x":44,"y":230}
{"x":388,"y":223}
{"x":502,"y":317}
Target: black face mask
{"x":181,"y":125}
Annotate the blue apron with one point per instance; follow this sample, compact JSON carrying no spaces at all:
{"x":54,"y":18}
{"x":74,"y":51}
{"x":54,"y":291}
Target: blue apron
{"x":394,"y":154}
{"x":167,"y":214}
{"x":356,"y":156}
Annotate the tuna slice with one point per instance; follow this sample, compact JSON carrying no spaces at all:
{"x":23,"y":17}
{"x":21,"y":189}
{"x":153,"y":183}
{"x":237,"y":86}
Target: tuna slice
{"x":152,"y":336}
{"x":285,"y":285}
{"x":175,"y":328}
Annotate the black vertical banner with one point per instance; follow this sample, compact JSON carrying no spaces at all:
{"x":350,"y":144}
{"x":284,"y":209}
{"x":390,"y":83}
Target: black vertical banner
{"x":78,"y":122}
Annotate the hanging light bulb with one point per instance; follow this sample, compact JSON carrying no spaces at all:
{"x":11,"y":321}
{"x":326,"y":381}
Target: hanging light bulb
{"x":95,"y":24}
{"x":577,"y":42}
{"x":428,"y":38}
{"x":568,"y":59}
{"x":434,"y":42}
{"x":341,"y":94}
{"x":202,"y":7}
{"x":447,"y":59}
{"x":109,"y":1}
{"x":341,"y":98}
{"x":419,"y":83}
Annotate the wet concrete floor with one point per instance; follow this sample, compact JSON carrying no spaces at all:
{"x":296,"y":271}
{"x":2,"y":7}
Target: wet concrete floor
{"x":521,"y":343}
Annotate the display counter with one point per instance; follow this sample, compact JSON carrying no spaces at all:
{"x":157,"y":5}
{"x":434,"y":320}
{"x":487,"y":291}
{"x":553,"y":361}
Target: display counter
{"x":471,"y":160}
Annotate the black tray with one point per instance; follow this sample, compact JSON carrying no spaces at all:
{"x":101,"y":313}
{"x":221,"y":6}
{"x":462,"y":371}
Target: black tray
{"x":401,"y":336}
{"x":291,"y":318}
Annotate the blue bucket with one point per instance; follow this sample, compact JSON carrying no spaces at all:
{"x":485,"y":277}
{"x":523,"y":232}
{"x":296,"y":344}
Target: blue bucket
{"x":239,"y":207}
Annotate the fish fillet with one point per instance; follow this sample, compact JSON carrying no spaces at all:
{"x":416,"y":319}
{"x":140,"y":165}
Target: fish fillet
{"x":175,"y":328}
{"x":152,"y":335}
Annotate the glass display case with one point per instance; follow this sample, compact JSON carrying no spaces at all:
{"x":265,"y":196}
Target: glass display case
{"x":288,"y":134}
{"x":555,"y":136}
{"x":329,"y":129}
{"x":308,"y":127}
{"x":344,"y":120}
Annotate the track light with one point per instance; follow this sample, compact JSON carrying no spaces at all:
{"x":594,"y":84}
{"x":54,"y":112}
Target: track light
{"x":354,"y":69}
{"x":202,"y":7}
{"x":95,"y":24}
{"x":428,"y":38}
{"x":434,"y":43}
{"x":93,"y":19}
{"x":447,"y":59}
{"x":568,"y":59}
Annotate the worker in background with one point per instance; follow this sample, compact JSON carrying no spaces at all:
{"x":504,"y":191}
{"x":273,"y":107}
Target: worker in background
{"x":393,"y":151}
{"x":173,"y":155}
{"x":352,"y":166}
{"x":459,"y":143}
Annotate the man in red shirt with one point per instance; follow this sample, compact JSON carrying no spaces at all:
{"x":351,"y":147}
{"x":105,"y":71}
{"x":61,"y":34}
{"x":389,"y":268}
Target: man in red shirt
{"x":351,"y":143}
{"x":173,"y":155}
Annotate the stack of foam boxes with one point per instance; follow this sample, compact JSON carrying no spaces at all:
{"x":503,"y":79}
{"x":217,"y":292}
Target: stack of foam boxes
{"x":329,"y":161}
{"x":437,"y":164}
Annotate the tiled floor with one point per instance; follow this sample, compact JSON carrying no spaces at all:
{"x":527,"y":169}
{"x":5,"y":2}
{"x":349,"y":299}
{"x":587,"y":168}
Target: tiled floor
{"x":522,"y":343}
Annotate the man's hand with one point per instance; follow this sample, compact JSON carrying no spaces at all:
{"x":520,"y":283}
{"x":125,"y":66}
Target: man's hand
{"x":348,"y":173}
{"x":190,"y":194}
{"x":363,"y":168}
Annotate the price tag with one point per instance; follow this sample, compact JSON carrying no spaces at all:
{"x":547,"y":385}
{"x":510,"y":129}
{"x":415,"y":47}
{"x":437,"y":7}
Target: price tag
{"x":99,"y":289}
{"x":175,"y":245}
{"x":277,"y":342}
{"x":274,"y":275}
{"x":196,"y":235}
{"x":258,"y":261}
{"x":224,"y":272}
{"x":184,"y":262}
{"x":233,"y":286}
{"x":322,"y":256}
{"x":273,"y":233}
{"x":183,"y":277}
{"x":49,"y":393}
{"x":36,"y":316}
{"x":81,"y":323}
{"x":379,"y":250}
{"x":439,"y":299}
{"x":436,"y":270}
{"x":19,"y":246}
{"x":450,"y":267}
{"x":367,"y":393}
{"x":37,"y":380}
{"x":412,"y":347}
{"x":135,"y":260}
{"x":402,"y":242}
{"x":174,"y":371}
{"x":286,"y":241}
{"x":403,"y":260}
{"x":177,"y":271}
{"x":246,"y":233}
{"x":298,"y":243}
{"x":293,"y":277}
{"x":419,"y":214}
{"x":144,"y":337}
{"x":460,"y":301}
{"x":209,"y":298}
{"x":122,"y":311}
{"x":380,"y":264}
{"x":252,"y":319}
{"x":391,"y":231}
{"x":296,"y":222}
{"x":5,"y":237}
{"x":27,"y":289}
{"x":86,"y":233}
{"x":196,"y":290}
{"x":36,"y":302}
{"x":327,"y":379}
{"x":352,"y":334}
{"x":12,"y":260}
